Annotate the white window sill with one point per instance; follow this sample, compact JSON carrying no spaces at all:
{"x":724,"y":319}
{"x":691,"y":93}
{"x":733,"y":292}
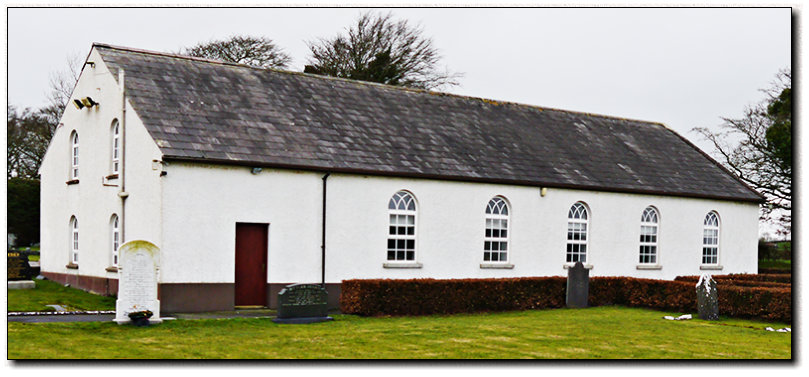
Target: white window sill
{"x":710,"y":267}
{"x":503,"y":266}
{"x":401,"y":265}
{"x":568,"y":266}
{"x":649,"y":267}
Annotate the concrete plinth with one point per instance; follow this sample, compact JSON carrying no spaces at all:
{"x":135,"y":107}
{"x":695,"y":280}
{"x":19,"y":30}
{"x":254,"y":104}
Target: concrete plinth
{"x":21,"y":284}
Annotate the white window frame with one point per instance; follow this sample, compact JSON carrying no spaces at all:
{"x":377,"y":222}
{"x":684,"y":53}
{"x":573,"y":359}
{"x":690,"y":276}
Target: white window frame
{"x":649,"y":222}
{"x":706,"y":241}
{"x":74,"y":240}
{"x":115,"y":152}
{"x":74,"y":155}
{"x":398,"y":200}
{"x":491,"y":217}
{"x":115,"y":239}
{"x":570,"y":224}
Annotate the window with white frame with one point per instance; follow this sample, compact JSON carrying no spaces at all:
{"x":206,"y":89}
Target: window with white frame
{"x":648,"y":236}
{"x":495,"y":242}
{"x":115,"y":238}
{"x":710,"y":239}
{"x":577,"y":233}
{"x":74,"y":240}
{"x":115,"y":152}
{"x":74,"y":156}
{"x":402,"y":229}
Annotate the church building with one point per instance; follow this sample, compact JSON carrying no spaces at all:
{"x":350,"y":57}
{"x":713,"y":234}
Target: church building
{"x":250,"y":179}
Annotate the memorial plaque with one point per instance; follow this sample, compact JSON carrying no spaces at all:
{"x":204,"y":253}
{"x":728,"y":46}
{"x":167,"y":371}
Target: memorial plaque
{"x":137,"y":281}
{"x":302,"y":303}
{"x":707,"y":298}
{"x":17,"y":267}
{"x":578,"y":286}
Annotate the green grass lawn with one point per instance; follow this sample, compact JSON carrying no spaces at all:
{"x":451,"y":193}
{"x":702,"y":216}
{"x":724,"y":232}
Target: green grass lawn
{"x":48,"y":293}
{"x":594,"y":333}
{"x":782,"y":264}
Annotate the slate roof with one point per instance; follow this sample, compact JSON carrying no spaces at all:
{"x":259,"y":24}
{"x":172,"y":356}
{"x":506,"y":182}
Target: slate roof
{"x":201,"y":110}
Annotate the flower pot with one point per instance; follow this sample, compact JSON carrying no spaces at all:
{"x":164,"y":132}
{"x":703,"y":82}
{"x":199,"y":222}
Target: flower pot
{"x":143,"y":321}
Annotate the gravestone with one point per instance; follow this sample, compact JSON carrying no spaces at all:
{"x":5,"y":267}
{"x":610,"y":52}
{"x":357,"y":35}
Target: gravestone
{"x":707,"y":298}
{"x":17,"y":267}
{"x":578,"y":286}
{"x":302,"y":303}
{"x":138,"y":264}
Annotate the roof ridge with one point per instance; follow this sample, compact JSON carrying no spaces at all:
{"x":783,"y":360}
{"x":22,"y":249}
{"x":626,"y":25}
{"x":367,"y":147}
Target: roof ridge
{"x":369,"y":83}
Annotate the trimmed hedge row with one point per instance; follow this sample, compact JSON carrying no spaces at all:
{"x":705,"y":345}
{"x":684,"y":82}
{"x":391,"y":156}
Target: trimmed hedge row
{"x":431,"y":296}
{"x":775,"y":278}
{"x":739,"y":283}
{"x":779,"y":271}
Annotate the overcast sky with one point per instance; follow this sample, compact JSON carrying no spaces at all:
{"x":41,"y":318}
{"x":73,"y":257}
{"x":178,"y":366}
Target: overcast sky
{"x":682,"y":67}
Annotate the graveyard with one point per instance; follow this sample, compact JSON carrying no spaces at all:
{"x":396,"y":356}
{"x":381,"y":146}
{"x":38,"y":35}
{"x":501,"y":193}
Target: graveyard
{"x":608,"y":332}
{"x":302,"y":329}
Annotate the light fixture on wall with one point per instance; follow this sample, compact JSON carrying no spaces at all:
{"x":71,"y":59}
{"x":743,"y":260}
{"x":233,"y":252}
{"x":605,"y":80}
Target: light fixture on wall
{"x":255,"y":171}
{"x":543,"y":191}
{"x":78,"y":104}
{"x":88,"y":102}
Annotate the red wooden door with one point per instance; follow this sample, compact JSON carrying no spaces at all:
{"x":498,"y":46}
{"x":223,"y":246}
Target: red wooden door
{"x":251,"y":265}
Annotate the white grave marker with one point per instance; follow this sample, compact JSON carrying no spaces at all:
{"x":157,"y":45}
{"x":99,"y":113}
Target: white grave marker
{"x":138,"y":266}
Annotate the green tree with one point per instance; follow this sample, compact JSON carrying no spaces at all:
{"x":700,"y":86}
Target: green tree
{"x":28,"y":134}
{"x":380,"y":49}
{"x":255,"y":51}
{"x":758,"y":148}
{"x":23,"y":210}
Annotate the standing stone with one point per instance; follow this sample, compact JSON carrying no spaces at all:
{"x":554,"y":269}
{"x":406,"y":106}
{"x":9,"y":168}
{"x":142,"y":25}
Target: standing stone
{"x":578,"y":286}
{"x":707,"y":298}
{"x":138,"y":266}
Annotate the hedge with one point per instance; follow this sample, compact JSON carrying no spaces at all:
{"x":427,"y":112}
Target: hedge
{"x":431,"y":296}
{"x":739,"y":283}
{"x":775,"y":278}
{"x":779,"y":271}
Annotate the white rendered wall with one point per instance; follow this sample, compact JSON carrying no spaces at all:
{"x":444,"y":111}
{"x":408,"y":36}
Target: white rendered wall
{"x":91,"y":201}
{"x":203,"y":203}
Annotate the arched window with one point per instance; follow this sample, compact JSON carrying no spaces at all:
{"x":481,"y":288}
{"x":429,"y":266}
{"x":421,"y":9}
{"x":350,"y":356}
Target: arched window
{"x":710,"y":239}
{"x":648,"y":236}
{"x":115,"y":153}
{"x":577,"y":233}
{"x":74,"y":155}
{"x":74,"y":240}
{"x":115,"y":237}
{"x":495,"y":242}
{"x":402,"y":230}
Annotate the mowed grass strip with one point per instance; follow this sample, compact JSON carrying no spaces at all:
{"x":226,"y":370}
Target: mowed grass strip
{"x":48,"y":293}
{"x":593,"y":333}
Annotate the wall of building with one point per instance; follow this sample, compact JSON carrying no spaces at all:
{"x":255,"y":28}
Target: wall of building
{"x":202,"y":204}
{"x":94,"y":199}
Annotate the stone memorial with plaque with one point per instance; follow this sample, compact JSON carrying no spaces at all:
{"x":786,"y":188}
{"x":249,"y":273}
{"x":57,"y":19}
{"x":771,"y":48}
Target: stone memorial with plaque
{"x":707,"y":298}
{"x":578,"y":286}
{"x":18,"y":268}
{"x":138,"y":266}
{"x":302,"y":303}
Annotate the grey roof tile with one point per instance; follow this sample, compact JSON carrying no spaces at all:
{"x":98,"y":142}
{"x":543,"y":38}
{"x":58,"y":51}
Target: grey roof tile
{"x":245,"y":115}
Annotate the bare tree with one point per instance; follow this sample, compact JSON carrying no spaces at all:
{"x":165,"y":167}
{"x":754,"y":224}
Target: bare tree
{"x":62,"y":83}
{"x":255,"y":51}
{"x":762,"y":157}
{"x":379,"y":49}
